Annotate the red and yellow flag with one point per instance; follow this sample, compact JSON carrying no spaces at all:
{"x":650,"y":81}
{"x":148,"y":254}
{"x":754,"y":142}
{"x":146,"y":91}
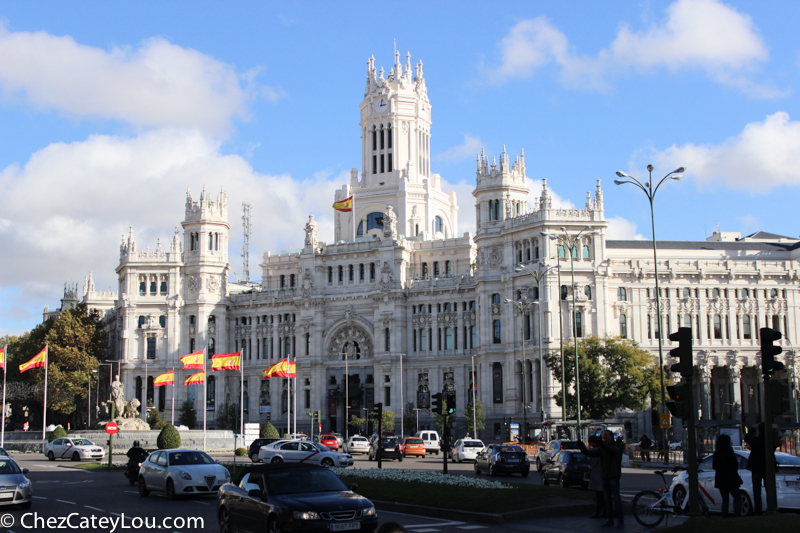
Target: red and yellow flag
{"x":3,"y":357}
{"x":193,"y":360}
{"x":226,"y":361}
{"x":37,"y":361}
{"x":345,"y":205}
{"x":195,"y":379}
{"x":167,"y":378}
{"x":281,"y":369}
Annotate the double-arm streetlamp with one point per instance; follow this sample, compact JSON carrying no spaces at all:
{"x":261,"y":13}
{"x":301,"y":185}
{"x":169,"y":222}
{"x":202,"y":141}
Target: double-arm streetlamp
{"x":522,"y":306}
{"x":538,"y":276}
{"x":650,"y":191}
{"x":571,"y":243}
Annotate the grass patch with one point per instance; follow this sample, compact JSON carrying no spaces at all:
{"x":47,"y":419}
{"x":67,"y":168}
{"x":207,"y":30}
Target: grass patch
{"x":782,"y":523}
{"x":96,"y":467}
{"x":523,"y":496}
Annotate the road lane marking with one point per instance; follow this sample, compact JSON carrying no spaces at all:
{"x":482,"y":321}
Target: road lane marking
{"x":94,"y":508}
{"x":438,"y":524}
{"x":40,"y":497}
{"x":426,"y":530}
{"x":201,"y":503}
{"x":131,"y":492}
{"x":65,"y":501}
{"x":472,"y":527}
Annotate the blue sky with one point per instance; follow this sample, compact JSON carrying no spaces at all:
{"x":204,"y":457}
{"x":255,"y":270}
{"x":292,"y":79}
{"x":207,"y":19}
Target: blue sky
{"x":110,"y":113}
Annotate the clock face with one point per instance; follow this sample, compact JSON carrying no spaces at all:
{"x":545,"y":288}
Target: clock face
{"x":381,"y":106}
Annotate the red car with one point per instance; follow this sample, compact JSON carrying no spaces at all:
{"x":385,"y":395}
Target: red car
{"x":330,"y":441}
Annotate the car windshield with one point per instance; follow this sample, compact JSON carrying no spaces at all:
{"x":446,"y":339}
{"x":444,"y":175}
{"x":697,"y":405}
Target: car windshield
{"x":8,"y":467}
{"x":414,"y":441}
{"x":3,"y":451}
{"x":321,"y":447}
{"x":327,"y":437}
{"x":473,"y":444}
{"x":359,"y":439}
{"x":578,"y":458}
{"x":189,"y":458}
{"x":299,"y":481}
{"x":505,"y":449}
{"x":82,"y":442}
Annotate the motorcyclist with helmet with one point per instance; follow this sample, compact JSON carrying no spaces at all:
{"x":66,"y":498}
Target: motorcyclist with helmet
{"x":136,"y":455}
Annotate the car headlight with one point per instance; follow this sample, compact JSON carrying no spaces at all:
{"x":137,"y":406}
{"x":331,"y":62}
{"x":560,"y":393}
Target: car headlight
{"x":24,"y":485}
{"x":184,"y":474}
{"x":226,"y":474}
{"x":369,"y":511}
{"x":305,"y":515}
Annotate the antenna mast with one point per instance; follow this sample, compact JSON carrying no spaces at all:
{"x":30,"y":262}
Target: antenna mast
{"x":247,"y":223}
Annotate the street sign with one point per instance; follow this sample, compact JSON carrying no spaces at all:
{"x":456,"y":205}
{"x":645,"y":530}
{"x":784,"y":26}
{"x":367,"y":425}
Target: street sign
{"x":112,"y":428}
{"x":665,"y":421}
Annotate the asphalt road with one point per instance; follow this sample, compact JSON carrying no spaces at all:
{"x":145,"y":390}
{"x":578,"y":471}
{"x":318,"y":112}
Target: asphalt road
{"x":102,"y":502}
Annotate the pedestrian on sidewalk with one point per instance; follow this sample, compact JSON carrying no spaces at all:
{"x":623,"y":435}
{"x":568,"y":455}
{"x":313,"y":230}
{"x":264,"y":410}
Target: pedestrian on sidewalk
{"x":610,"y":454}
{"x":645,"y":443}
{"x":757,"y":463}
{"x":596,"y":481}
{"x":726,"y":477}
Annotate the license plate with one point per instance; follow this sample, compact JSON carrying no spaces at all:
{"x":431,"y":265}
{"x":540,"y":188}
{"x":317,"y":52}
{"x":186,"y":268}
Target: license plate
{"x":793,"y":483}
{"x":6,"y":495}
{"x":348,"y":526}
{"x":513,"y":459}
{"x":388,"y":449}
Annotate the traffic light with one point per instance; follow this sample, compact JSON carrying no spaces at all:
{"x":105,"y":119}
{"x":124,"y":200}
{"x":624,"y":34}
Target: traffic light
{"x":678,"y":394}
{"x":437,"y":403}
{"x":780,"y":398}
{"x":768,"y":351}
{"x":685,"y":364}
{"x":377,"y":410}
{"x":505,"y":421}
{"x":451,"y":404}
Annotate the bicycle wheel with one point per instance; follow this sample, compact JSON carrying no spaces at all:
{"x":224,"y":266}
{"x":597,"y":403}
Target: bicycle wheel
{"x":649,"y":508}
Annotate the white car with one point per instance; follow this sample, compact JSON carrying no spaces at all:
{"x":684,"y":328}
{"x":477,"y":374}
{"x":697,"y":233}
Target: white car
{"x":75,"y":449}
{"x":787,"y":480}
{"x":181,"y":472}
{"x":466,"y":450}
{"x":357,"y":444}
{"x":303,"y":451}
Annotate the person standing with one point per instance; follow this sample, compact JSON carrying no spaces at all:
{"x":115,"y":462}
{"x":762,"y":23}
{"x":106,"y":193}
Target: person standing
{"x":726,"y":477}
{"x":757,"y":463}
{"x":645,"y":443}
{"x":596,"y":481}
{"x":610,"y":454}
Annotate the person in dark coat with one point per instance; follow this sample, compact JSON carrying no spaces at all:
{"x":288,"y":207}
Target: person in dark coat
{"x":757,"y":463}
{"x":645,"y":445}
{"x":610,"y":454}
{"x":726,"y":477}
{"x":595,"y":481}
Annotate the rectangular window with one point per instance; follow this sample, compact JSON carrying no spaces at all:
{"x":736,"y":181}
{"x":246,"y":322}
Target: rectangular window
{"x":527,"y":326}
{"x":151,"y":347}
{"x":341,"y":274}
{"x":142,"y":288}
{"x":473,"y":340}
{"x":414,"y":337}
{"x":372,"y":271}
{"x":308,"y":343}
{"x":776,"y":323}
{"x":382,"y":164}
{"x":153,"y":286}
{"x":191,"y":345}
{"x":387,"y":396}
{"x":374,"y":140}
{"x":374,"y":164}
{"x":430,"y":339}
{"x":382,"y":139}
{"x":496,"y":333}
{"x":351,"y":271}
{"x":423,"y":340}
{"x":361,"y":272}
{"x":389,"y":156}
{"x":387,"y":339}
{"x":578,"y":324}
{"x":439,"y":339}
{"x":649,"y":327}
{"x":389,"y":138}
{"x":163,"y":287}
{"x":448,"y":338}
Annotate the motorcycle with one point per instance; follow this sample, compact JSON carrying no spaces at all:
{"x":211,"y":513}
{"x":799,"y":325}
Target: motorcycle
{"x":132,"y":471}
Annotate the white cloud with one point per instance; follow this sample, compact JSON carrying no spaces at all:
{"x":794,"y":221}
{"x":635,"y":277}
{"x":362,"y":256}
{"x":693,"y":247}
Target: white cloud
{"x":703,"y":34}
{"x":749,"y":223}
{"x":763,"y":156}
{"x":622,"y":229}
{"x":70,"y":203}
{"x":469,"y":149}
{"x":159,"y":84}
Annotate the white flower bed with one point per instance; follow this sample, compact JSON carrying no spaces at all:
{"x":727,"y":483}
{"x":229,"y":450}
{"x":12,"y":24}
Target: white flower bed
{"x":420,"y":476}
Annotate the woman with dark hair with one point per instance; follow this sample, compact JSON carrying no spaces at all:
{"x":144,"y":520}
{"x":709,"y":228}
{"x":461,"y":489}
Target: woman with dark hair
{"x":727,"y":478}
{"x":595,"y":481}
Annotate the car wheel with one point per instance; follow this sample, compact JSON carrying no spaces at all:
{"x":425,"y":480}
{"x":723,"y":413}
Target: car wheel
{"x":273,"y":526}
{"x":254,"y":458}
{"x":51,"y":456}
{"x":327,"y":462}
{"x":747,"y":505}
{"x":224,"y":525}
{"x":525,"y":473}
{"x":142,"y":487}
{"x":276,"y":460}
{"x":76,"y":456}
{"x":678,"y":495}
{"x":477,"y":470}
{"x":171,"y":490}
{"x":490,"y":470}
{"x":562,"y":482}
{"x":538,"y":465}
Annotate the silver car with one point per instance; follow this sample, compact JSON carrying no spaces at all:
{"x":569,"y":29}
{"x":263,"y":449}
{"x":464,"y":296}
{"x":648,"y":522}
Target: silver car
{"x":15,"y":488}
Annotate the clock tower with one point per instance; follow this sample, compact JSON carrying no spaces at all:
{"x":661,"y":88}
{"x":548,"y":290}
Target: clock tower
{"x":396,"y":160}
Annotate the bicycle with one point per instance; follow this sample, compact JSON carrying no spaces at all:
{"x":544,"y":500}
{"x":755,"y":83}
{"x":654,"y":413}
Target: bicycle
{"x":650,"y":507}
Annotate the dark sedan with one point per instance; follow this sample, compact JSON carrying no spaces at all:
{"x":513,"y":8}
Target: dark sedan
{"x":292,"y":497}
{"x":567,"y":467}
{"x":388,"y":447}
{"x":502,"y":459}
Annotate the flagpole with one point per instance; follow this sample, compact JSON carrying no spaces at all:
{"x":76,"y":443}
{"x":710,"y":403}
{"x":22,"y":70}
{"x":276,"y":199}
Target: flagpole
{"x":44,"y":415}
{"x":173,"y":396}
{"x":5,"y":366}
{"x":353,"y":212}
{"x":241,"y":395}
{"x":294,"y":392}
{"x":205,"y":396}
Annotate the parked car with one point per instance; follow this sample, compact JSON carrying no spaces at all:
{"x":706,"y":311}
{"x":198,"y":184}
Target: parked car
{"x":413,"y":446}
{"x":292,"y":497}
{"x":340,"y":439}
{"x":256,"y":445}
{"x":4,"y":453}
{"x":75,"y":449}
{"x":567,"y":467}
{"x":389,"y":447}
{"x":787,"y":480}
{"x":330,"y":441}
{"x":502,"y":459}
{"x":552,"y":448}
{"x":465,"y":450}
{"x":433,"y":443}
{"x":15,"y":488}
{"x":181,"y":472}
{"x":303,"y":451}
{"x":357,"y":444}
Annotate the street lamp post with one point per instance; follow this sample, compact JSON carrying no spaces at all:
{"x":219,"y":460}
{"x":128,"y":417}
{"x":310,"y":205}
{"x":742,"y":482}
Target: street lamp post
{"x":473,"y":386}
{"x":571,"y":243}
{"x":650,"y":192}
{"x":347,"y":396}
{"x":417,"y":409}
{"x":523,"y":306}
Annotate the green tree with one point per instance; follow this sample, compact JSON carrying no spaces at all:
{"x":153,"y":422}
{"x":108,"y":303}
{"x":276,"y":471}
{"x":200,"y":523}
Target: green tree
{"x":188,"y":414}
{"x":58,"y":433}
{"x":356,"y":424}
{"x":438,"y":420}
{"x":614,"y":374}
{"x":228,"y":416}
{"x":155,"y":420}
{"x":479,"y":418}
{"x":268,"y":431}
{"x":169,"y":438}
{"x":387,"y":420}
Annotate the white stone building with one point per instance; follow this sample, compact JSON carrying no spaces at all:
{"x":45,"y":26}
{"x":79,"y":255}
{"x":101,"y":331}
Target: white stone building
{"x":415,"y":305}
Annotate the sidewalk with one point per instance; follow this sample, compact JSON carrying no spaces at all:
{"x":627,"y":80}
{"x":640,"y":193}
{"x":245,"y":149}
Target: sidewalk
{"x":581,"y":524}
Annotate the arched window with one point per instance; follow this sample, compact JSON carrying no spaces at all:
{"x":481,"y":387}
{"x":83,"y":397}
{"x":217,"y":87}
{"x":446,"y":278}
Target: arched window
{"x":437,"y":224}
{"x":351,"y":273}
{"x":687,"y":293}
{"x":210,"y":241}
{"x":717,"y":326}
{"x":773,"y":293}
{"x":622,"y":294}
{"x":292,"y":280}
{"x":715,"y":293}
{"x":212,"y":347}
{"x":162,"y":321}
{"x":447,"y":269}
{"x":496,"y":298}
{"x":687,"y":321}
{"x":745,"y":293}
{"x":575,"y":252}
{"x":341,"y":274}
{"x":776,"y":323}
{"x":374,"y":221}
{"x":448,"y":307}
{"x":746,"y":330}
{"x":372,"y":271}
{"x":496,"y":332}
{"x":579,"y":324}
{"x":162,"y":398}
{"x":588,"y":291}
{"x":211,"y":391}
{"x":497,"y":383}
{"x":519,"y":254}
{"x":563,"y":292}
{"x":586,"y":251}
{"x":360,"y":231}
{"x":623,"y":326}
{"x":527,"y":252}
{"x":361,"y":272}
{"x":150,"y":391}
{"x":141,"y":321}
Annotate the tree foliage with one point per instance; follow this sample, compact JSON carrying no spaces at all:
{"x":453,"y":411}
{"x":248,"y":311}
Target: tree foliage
{"x":58,"y":433}
{"x":188,"y":414}
{"x":268,"y":431}
{"x":169,"y":438}
{"x":614,"y":374}
{"x":478,"y":419}
{"x":228,"y":416}
{"x":409,"y":418}
{"x":155,"y":420}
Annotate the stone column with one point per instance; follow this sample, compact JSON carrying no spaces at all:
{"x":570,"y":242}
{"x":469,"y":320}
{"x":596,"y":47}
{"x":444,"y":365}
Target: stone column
{"x":736,"y":380}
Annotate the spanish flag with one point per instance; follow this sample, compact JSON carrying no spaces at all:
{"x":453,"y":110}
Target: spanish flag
{"x":195,"y":379}
{"x":345,"y":205}
{"x":226,"y":361}
{"x":165,"y":379}
{"x":37,"y":361}
{"x":281,"y":369}
{"x":193,"y":360}
{"x":3,"y":357}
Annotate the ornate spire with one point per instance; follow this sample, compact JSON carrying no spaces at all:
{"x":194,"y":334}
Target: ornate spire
{"x":175,"y":247}
{"x":598,"y":198}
